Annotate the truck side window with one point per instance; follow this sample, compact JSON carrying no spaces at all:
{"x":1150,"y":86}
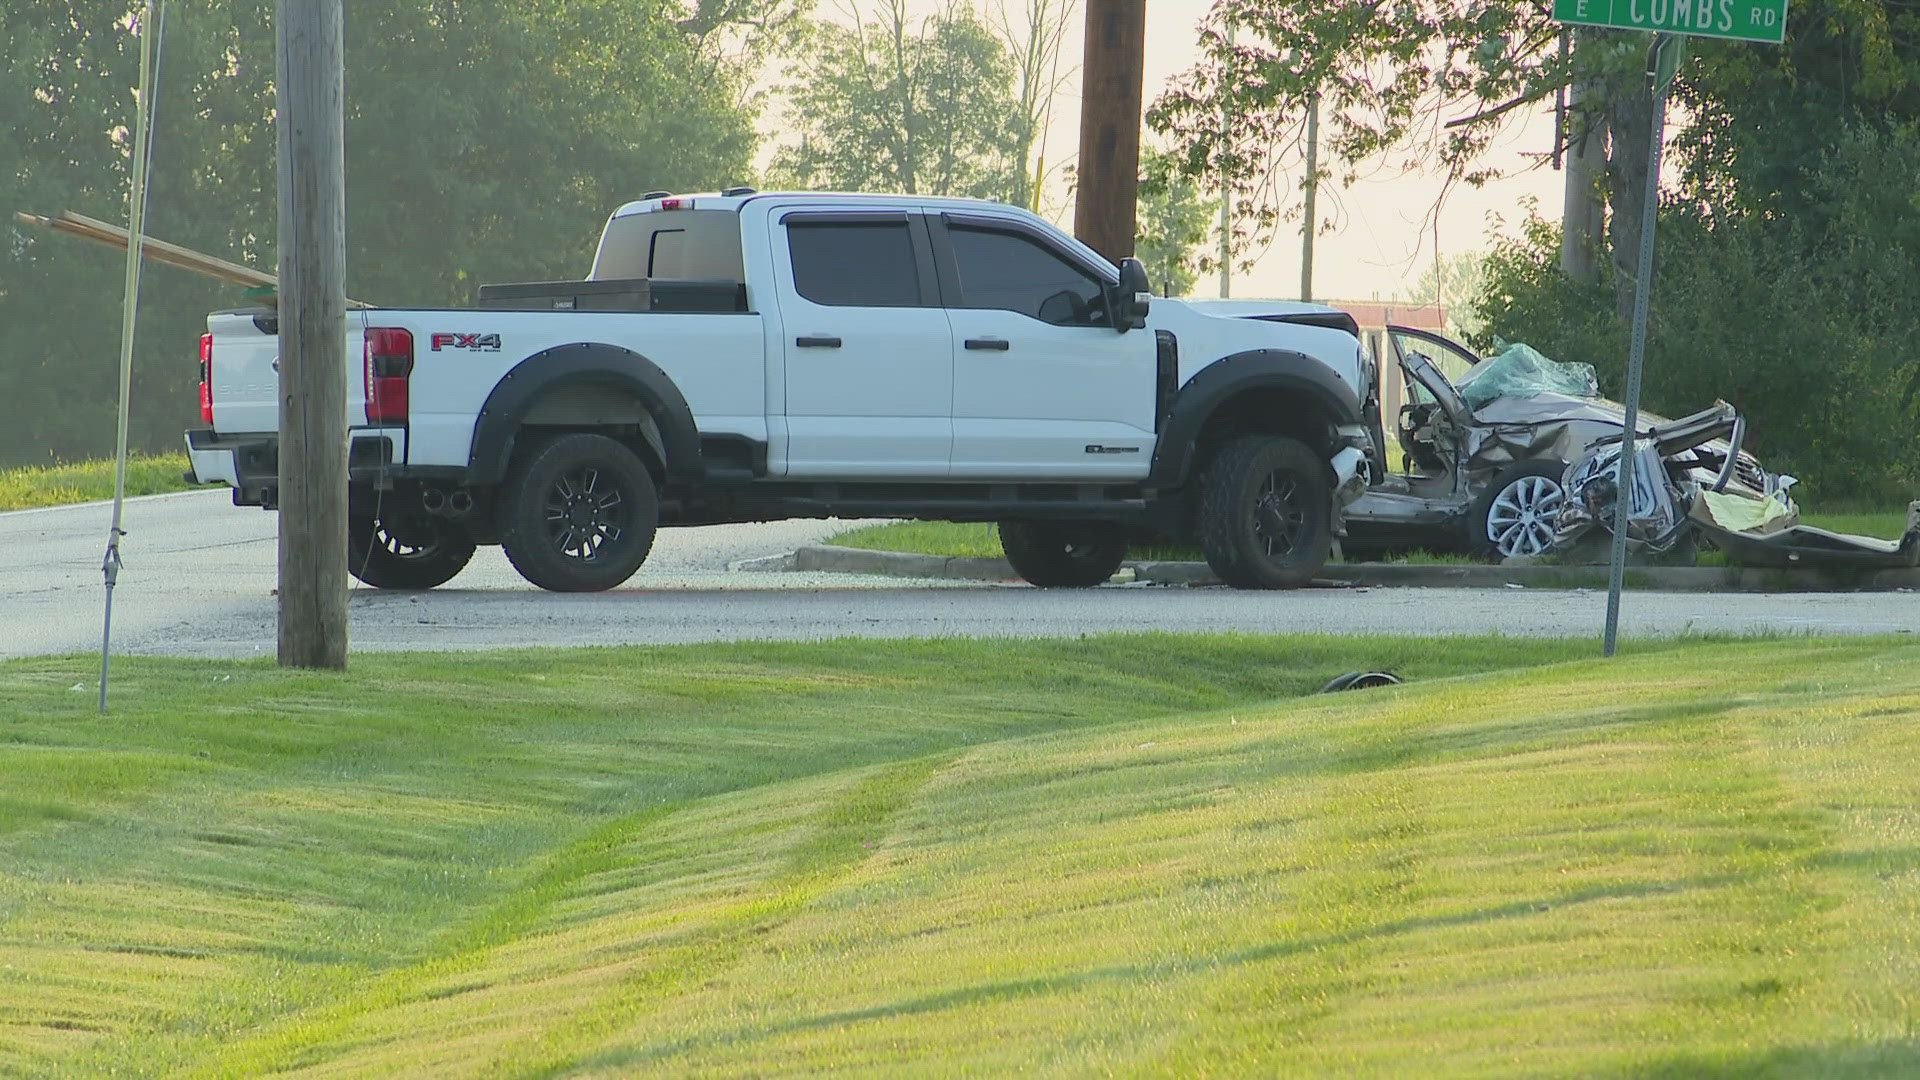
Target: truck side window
{"x":1012,"y":272}
{"x":854,"y":264}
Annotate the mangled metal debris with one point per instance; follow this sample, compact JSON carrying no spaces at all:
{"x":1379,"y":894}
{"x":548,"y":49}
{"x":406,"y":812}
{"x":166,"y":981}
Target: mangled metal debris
{"x":1691,"y":479}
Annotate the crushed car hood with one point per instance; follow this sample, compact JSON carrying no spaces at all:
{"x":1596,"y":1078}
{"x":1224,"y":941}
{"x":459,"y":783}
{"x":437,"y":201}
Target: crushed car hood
{"x":1551,"y":408}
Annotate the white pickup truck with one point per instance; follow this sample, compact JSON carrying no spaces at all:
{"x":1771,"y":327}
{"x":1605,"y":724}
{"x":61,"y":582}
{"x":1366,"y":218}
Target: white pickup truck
{"x":751,"y":357}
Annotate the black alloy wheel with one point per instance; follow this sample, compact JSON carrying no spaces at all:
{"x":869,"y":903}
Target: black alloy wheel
{"x":1265,"y":517}
{"x":578,"y":514}
{"x":406,"y":551}
{"x":1061,"y":554}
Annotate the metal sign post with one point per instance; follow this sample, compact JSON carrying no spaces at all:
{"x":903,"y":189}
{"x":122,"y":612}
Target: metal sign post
{"x":1637,"y":352}
{"x":1672,"y":21}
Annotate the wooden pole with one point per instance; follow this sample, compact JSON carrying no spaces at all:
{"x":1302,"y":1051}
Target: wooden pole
{"x":1310,"y":219}
{"x":1111,"y":73}
{"x":313,"y":389}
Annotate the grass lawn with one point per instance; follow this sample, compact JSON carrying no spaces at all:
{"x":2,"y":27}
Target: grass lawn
{"x":982,"y":540}
{"x":1142,"y":854}
{"x":86,"y":481}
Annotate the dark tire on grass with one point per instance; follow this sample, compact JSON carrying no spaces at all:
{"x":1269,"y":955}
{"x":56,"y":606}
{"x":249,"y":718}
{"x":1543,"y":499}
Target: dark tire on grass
{"x":1265,"y":519}
{"x":578,"y":513}
{"x":406,"y":551}
{"x":1063,"y":555}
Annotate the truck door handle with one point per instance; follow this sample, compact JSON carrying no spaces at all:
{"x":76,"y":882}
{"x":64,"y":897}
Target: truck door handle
{"x":817,"y":342}
{"x":997,"y":344}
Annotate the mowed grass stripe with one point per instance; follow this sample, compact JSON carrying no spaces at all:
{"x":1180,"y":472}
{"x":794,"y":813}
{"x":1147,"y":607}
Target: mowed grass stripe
{"x":320,"y":769}
{"x":1126,"y":854}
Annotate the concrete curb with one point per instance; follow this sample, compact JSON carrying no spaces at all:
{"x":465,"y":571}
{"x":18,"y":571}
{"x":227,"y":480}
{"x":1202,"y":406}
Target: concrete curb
{"x":1368,"y":575}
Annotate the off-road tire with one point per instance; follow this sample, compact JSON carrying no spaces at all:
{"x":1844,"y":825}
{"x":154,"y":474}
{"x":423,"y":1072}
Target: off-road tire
{"x":578,"y":513}
{"x":1061,"y":554}
{"x":1515,"y":495}
{"x":406,"y":551}
{"x":1265,"y":518}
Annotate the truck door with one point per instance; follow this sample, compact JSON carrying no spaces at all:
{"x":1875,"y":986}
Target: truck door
{"x":1043,"y":385}
{"x":869,"y":361}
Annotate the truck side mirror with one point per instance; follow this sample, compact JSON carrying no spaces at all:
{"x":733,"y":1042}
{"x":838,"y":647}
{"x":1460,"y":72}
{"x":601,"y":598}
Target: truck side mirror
{"x":1132,"y":296}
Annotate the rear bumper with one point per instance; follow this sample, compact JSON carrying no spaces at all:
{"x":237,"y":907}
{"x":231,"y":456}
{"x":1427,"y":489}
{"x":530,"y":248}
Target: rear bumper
{"x":250,"y":464}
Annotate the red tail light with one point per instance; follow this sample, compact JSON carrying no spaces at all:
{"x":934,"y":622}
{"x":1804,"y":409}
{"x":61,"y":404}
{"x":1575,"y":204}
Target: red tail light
{"x":389,"y":362}
{"x":206,"y":379}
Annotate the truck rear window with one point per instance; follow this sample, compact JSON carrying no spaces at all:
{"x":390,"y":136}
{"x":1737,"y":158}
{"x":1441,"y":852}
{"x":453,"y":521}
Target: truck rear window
{"x":671,"y":244}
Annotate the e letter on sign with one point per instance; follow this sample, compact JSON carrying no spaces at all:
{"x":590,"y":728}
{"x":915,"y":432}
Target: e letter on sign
{"x":1746,"y":20}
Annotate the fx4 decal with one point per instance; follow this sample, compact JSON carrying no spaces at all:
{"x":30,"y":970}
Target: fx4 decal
{"x":477,"y":342}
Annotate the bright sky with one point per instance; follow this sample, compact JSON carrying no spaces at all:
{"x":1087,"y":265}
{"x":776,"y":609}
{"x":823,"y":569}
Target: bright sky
{"x":1379,"y":247}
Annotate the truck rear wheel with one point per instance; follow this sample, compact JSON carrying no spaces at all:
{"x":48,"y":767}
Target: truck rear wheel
{"x":1062,"y":555}
{"x":578,"y":513}
{"x":1265,"y":519}
{"x":405,"y":551}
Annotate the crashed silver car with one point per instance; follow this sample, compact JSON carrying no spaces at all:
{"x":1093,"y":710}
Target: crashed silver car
{"x":1477,"y":462}
{"x":1688,"y":482}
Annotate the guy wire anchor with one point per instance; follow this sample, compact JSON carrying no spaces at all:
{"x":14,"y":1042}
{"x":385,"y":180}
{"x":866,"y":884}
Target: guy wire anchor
{"x":110,"y":569}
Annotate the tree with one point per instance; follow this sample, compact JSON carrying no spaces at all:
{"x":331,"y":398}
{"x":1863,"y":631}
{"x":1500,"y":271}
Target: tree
{"x":890,"y":105}
{"x":1454,"y":283}
{"x":1033,"y":43}
{"x":1384,"y":82}
{"x":1174,"y":221}
{"x":1754,"y":114}
{"x":486,"y":140}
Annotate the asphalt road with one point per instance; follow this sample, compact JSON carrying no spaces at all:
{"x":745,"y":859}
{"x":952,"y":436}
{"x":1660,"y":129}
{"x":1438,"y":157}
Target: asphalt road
{"x":199,"y":576}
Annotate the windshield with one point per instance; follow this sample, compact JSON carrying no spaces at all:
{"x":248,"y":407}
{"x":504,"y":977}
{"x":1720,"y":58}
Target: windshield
{"x":1521,"y":371}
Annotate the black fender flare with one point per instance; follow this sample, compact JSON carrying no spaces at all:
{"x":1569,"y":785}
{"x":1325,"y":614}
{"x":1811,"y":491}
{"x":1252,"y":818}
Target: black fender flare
{"x":1254,"y":370}
{"x":499,"y":421}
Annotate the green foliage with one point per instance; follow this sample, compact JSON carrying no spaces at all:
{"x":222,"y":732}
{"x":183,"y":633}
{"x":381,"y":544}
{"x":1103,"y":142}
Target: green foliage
{"x":1384,"y":81}
{"x":1455,"y":283}
{"x":1145,"y":855}
{"x":485,"y":141}
{"x":1174,"y":220}
{"x":885,"y":105}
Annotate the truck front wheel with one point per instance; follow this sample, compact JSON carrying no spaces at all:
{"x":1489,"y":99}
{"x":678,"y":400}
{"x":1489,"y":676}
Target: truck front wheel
{"x":405,"y":551}
{"x":1062,"y":555}
{"x":578,"y":513}
{"x":1265,"y":518}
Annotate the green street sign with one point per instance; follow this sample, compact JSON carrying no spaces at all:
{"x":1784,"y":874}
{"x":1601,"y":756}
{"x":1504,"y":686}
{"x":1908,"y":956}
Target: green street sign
{"x":1747,"y":20}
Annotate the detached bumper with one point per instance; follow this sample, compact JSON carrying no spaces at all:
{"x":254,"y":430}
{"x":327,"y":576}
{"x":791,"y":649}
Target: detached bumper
{"x":250,"y":464}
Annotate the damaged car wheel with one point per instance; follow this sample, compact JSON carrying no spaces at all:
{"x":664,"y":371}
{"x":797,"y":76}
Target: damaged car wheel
{"x":1519,"y":512}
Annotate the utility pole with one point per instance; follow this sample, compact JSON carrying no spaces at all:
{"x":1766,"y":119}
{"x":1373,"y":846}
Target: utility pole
{"x":1311,"y":223}
{"x":1226,"y":200}
{"x":313,"y":318}
{"x":1111,"y":74}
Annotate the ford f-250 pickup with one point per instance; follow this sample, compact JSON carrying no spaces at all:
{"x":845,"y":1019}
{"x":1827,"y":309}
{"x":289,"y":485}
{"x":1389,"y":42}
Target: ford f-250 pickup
{"x":750,"y":357}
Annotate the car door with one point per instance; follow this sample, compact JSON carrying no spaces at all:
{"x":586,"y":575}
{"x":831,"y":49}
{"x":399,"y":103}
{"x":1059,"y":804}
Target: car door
{"x":867,"y":348}
{"x":1043,"y":385}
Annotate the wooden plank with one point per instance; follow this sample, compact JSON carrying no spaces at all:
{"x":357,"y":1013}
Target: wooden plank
{"x":160,"y":251}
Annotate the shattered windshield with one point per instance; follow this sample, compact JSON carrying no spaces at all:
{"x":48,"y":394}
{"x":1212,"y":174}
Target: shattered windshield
{"x":1521,"y":371}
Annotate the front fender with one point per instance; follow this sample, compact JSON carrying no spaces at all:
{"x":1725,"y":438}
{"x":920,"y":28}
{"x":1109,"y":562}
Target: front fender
{"x":1317,"y":388}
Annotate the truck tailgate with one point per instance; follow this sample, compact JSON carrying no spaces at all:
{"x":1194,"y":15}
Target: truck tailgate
{"x":246,"y":372}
